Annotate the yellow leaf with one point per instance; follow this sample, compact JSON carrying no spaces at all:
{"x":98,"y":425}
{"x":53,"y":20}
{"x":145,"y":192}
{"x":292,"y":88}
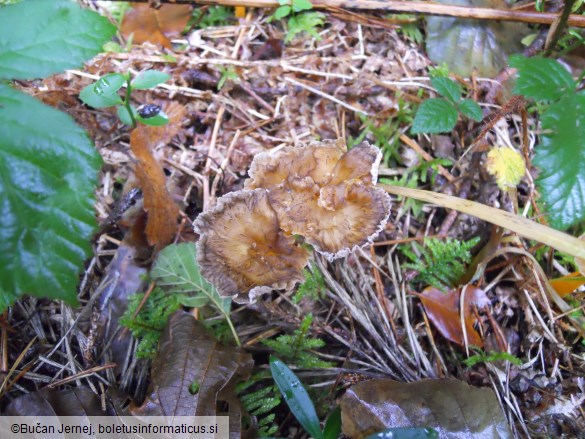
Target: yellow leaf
{"x":506,"y":165}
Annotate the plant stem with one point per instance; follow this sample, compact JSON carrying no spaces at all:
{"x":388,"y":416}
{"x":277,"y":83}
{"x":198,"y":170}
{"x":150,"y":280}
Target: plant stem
{"x":127,"y":102}
{"x":516,"y":223}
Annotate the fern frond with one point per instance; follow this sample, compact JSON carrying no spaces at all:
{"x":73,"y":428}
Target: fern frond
{"x":440,"y":263}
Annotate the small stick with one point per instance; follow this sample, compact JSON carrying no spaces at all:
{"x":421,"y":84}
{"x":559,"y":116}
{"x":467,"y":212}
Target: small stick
{"x":427,"y":8}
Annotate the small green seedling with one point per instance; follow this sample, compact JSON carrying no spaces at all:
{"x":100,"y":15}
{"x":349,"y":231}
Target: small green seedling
{"x":299,"y":18}
{"x":439,"y":115}
{"x":104,"y":93}
{"x":300,"y":404}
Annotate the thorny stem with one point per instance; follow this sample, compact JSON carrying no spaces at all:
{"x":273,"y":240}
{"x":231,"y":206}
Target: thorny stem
{"x":127,"y":102}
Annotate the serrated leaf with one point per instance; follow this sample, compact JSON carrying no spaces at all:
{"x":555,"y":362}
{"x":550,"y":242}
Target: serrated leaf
{"x":471,"y":109}
{"x":48,"y":171}
{"x":104,"y":92}
{"x":541,"y":78}
{"x":301,"y":5}
{"x":434,"y":116}
{"x":506,"y":165}
{"x":561,"y":160}
{"x":296,"y":397}
{"x":447,"y":88}
{"x":473,"y":45}
{"x":149,"y":79}
{"x":177,"y":271}
{"x":40,"y":37}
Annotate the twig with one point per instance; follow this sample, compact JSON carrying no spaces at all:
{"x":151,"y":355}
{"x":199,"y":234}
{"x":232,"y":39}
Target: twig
{"x":406,"y":7}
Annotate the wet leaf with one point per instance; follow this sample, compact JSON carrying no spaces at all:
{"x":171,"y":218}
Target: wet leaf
{"x":468,"y":45}
{"x":561,"y":158}
{"x":48,"y":171}
{"x":296,"y":397}
{"x":443,"y":310}
{"x":39,"y":37}
{"x":187,"y":355}
{"x":104,"y":92}
{"x":452,"y":407}
{"x":405,"y":433}
{"x":541,"y":78}
{"x":156,"y":26}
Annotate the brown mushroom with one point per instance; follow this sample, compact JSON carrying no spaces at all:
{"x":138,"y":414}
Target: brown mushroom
{"x":325,"y":195}
{"x":243,"y":251}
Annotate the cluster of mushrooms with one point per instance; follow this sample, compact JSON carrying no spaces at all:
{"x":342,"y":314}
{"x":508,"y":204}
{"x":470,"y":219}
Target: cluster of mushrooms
{"x":250,"y":243}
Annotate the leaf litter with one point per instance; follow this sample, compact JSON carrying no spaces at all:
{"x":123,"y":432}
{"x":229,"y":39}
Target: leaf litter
{"x":356,"y":80}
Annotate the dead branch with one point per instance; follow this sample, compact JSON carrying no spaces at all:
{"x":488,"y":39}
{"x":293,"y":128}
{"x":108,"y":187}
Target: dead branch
{"x":425,"y":8}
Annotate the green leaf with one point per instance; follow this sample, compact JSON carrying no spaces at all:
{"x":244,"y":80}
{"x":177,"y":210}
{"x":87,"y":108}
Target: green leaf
{"x":561,"y":159}
{"x":149,"y":79}
{"x":434,"y":116}
{"x":104,"y":92}
{"x":447,"y":88}
{"x":124,"y":115}
{"x":405,"y":433}
{"x":541,"y":78}
{"x":281,"y":12}
{"x":471,"y":109}
{"x":48,"y":172}
{"x":306,"y":22}
{"x":296,"y":397}
{"x":40,"y":37}
{"x":301,"y":5}
{"x":332,"y":428}
{"x":156,"y":121}
{"x":177,"y":271}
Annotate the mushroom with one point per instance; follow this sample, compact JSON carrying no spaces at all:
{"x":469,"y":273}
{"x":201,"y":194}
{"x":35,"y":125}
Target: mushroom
{"x":325,"y":195}
{"x":243,"y":251}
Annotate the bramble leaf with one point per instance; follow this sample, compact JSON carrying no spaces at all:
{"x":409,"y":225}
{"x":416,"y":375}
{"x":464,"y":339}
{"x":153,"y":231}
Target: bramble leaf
{"x":447,"y":88}
{"x":471,"y":109}
{"x":541,"y":78}
{"x":561,"y":159}
{"x":40,"y":37}
{"x":434,"y":116}
{"x":149,"y":79}
{"x":48,"y":171}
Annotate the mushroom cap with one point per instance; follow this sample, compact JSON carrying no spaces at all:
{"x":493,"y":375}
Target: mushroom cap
{"x":243,"y":251}
{"x":325,"y":196}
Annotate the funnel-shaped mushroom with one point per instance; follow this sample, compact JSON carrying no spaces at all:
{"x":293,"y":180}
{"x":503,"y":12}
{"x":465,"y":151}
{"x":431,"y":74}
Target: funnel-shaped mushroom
{"x":243,"y":251}
{"x":325,"y":195}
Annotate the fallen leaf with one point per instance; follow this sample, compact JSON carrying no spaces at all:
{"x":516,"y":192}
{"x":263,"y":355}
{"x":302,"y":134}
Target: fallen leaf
{"x":473,"y":45}
{"x":452,"y":407}
{"x":162,"y":211}
{"x":565,"y":285}
{"x":443,"y":310}
{"x":156,"y":26}
{"x":506,"y":165}
{"x":188,"y":355}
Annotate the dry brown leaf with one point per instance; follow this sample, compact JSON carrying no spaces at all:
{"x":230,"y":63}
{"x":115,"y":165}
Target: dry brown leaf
{"x":161,"y":225}
{"x":443,"y":310}
{"x":156,"y":26}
